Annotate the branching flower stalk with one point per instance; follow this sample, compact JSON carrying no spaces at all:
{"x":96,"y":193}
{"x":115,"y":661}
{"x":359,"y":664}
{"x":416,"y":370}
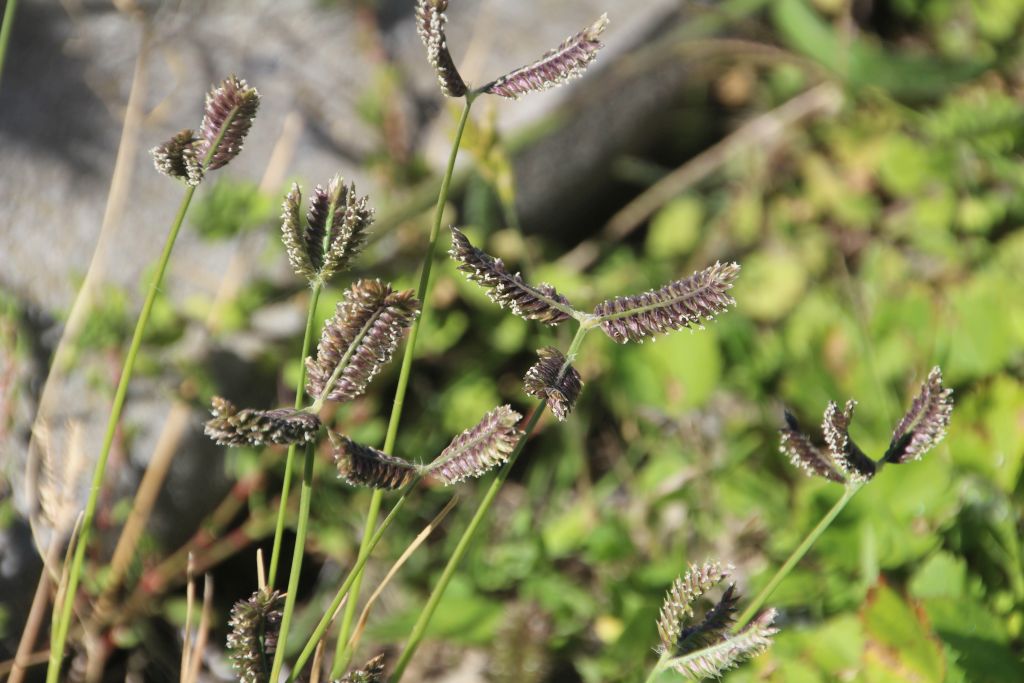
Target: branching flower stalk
{"x":921,"y":428}
{"x":567,"y":61}
{"x":342,"y":656}
{"x":682,"y":304}
{"x":427,"y":613}
{"x":705,"y":648}
{"x":229,"y":113}
{"x":369,"y":322}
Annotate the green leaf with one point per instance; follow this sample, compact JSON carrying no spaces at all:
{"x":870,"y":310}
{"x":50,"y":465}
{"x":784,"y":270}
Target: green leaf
{"x":900,"y":644}
{"x":676,"y":228}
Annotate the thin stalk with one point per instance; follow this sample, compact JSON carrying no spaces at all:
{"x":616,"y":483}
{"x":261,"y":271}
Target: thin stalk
{"x":305,"y":496}
{"x":325,"y":621}
{"x":60,"y":630}
{"x":5,"y":31}
{"x":300,"y":388}
{"x":61,"y":634}
{"x":307,"y":341}
{"x":427,"y":613}
{"x":659,"y":667}
{"x":419,"y":630}
{"x":343,"y":655}
{"x":795,"y":557}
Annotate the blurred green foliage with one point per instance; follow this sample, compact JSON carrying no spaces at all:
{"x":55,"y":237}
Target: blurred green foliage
{"x":875,"y":243}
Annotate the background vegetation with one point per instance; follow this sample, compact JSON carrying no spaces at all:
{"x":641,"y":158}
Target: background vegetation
{"x":879,"y":235}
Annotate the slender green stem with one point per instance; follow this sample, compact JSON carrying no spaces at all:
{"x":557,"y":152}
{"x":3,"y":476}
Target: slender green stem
{"x":427,"y":613}
{"x":307,"y":341}
{"x":659,"y":667}
{"x":342,"y":654}
{"x":325,"y":621}
{"x":305,"y":496}
{"x":64,"y":621}
{"x":795,"y":557}
{"x":419,"y":630}
{"x":5,"y":31}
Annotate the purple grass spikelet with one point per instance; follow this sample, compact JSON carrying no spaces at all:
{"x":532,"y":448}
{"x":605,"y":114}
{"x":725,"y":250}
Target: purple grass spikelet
{"x":230,"y":110}
{"x":510,"y":291}
{"x":569,"y":60}
{"x":361,"y":465}
{"x":430,"y":21}
{"x":553,"y":379}
{"x":252,"y":642}
{"x":177,"y":158}
{"x":925,"y":422}
{"x":317,"y":251}
{"x":845,"y":453}
{"x":677,"y":608}
{"x":728,"y":652}
{"x":359,"y":339}
{"x":804,"y":454}
{"x":480,"y":448}
{"x":681,"y":304}
{"x":250,"y":427}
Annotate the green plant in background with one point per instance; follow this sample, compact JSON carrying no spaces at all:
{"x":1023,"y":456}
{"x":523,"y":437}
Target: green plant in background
{"x":188,"y":156}
{"x":884,"y":232}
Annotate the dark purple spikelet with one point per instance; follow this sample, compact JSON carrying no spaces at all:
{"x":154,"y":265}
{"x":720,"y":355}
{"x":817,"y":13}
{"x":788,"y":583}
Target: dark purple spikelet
{"x":479,"y":449}
{"x":804,"y":454}
{"x":681,"y":304}
{"x":252,"y":642}
{"x":249,"y":427}
{"x":925,"y":423}
{"x":430,"y":21}
{"x":177,"y":158}
{"x":230,"y":110}
{"x":362,"y":336}
{"x":361,"y":465}
{"x":677,"y":608}
{"x":317,"y":250}
{"x":728,"y":651}
{"x":569,"y":60}
{"x":851,"y":459}
{"x":510,"y":291}
{"x":714,"y":626}
{"x":371,"y":672}
{"x":553,"y":379}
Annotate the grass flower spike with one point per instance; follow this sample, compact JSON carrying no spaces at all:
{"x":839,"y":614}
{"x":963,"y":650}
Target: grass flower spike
{"x":845,"y":453}
{"x":359,"y":339}
{"x":805,"y":455}
{"x":681,"y":304}
{"x":248,"y":427}
{"x":233,"y":103}
{"x":705,"y":648}
{"x":430,"y":21}
{"x":253,"y":638}
{"x":510,"y":291}
{"x":177,"y":158}
{"x":729,"y":651}
{"x":925,"y":422}
{"x":316,"y":251}
{"x":553,"y":379}
{"x":569,"y":60}
{"x":685,"y":591}
{"x":923,"y":426}
{"x":479,"y":449}
{"x":361,"y":465}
